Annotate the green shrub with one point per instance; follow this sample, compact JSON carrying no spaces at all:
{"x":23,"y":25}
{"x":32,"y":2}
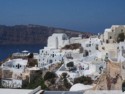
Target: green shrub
{"x":49,"y":75}
{"x":52,"y":81}
{"x":70,"y":64}
{"x":84,"y":80}
{"x":38,"y":81}
{"x":66,"y":83}
{"x":64,"y":75}
{"x":72,"y":46}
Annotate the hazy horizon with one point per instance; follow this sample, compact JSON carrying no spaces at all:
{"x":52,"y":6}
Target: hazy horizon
{"x":80,"y":15}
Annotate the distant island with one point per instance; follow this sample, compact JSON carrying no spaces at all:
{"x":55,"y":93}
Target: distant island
{"x":32,"y":34}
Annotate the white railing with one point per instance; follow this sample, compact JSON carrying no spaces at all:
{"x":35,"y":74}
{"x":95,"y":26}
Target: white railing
{"x":35,"y":90}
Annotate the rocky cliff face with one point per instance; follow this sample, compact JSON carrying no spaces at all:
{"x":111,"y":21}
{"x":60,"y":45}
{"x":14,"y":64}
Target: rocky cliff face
{"x":31,"y":34}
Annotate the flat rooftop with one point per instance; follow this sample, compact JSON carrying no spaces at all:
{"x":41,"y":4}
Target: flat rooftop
{"x":15,"y":91}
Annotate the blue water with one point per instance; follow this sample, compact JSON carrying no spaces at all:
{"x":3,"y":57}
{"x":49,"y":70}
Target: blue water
{"x":7,"y":50}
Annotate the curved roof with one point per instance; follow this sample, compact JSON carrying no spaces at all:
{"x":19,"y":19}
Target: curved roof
{"x":80,"y":87}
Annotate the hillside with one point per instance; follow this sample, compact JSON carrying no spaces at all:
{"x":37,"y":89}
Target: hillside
{"x":32,"y":34}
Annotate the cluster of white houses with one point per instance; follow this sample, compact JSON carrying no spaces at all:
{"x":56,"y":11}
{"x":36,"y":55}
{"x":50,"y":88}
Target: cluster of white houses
{"x":88,"y":59}
{"x":96,"y":46}
{"x":91,"y":60}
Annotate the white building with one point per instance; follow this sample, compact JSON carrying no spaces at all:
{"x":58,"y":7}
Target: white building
{"x":12,"y":73}
{"x":92,"y":44}
{"x":78,"y":39}
{"x":121,"y":52}
{"x":52,"y":53}
{"x":15,"y":64}
{"x":57,"y":40}
{"x":11,"y":83}
{"x":49,"y":56}
{"x":111,"y":34}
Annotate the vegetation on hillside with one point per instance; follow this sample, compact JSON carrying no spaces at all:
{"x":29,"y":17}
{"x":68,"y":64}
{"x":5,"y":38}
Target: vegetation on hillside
{"x":72,"y":46}
{"x":38,"y":81}
{"x":49,"y":75}
{"x":84,"y":80}
{"x":65,"y":81}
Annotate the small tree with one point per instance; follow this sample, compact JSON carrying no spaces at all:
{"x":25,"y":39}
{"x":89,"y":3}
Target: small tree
{"x":53,"y":80}
{"x":67,"y":84}
{"x":120,"y":37}
{"x":64,"y":75}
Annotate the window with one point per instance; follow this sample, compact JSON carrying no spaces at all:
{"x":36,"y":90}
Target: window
{"x":107,"y":41}
{"x":121,"y":30}
{"x":103,"y":48}
{"x":18,"y":66}
{"x":52,"y":55}
{"x":110,"y":37}
{"x":50,"y":61}
{"x":89,"y":45}
{"x":90,"y":51}
{"x":86,"y":45}
{"x":122,"y":48}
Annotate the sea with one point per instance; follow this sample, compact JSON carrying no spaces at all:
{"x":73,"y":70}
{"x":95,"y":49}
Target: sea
{"x":7,"y":50}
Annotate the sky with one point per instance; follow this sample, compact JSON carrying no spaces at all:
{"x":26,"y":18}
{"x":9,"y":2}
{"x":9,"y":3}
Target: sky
{"x":81,"y":15}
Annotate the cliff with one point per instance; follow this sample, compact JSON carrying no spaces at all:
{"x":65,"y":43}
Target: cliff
{"x":32,"y":34}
